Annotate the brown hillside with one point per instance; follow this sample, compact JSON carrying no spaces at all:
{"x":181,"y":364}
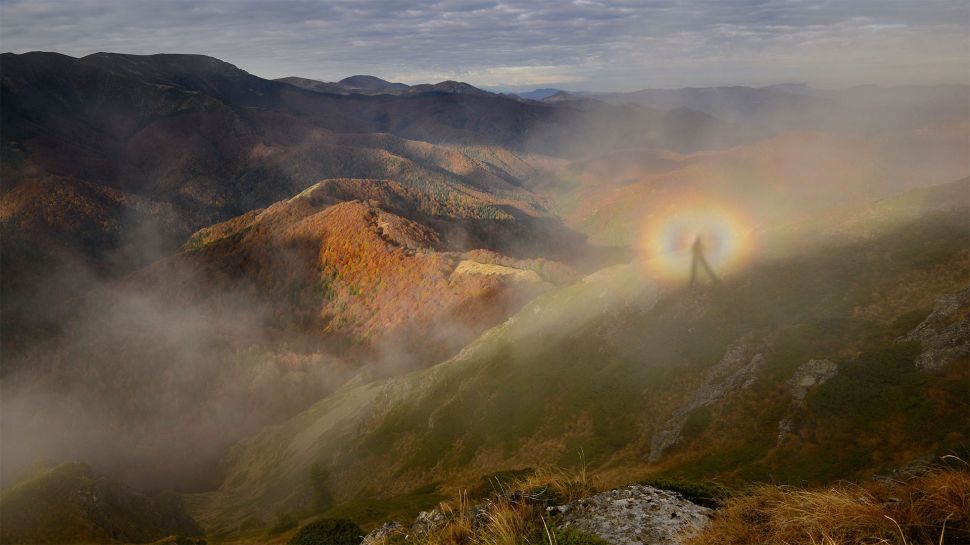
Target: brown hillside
{"x":351,"y":270}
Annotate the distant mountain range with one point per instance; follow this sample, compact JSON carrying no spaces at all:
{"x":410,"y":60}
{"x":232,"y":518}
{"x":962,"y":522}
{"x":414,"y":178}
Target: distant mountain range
{"x":370,"y":85}
{"x":540,"y":94}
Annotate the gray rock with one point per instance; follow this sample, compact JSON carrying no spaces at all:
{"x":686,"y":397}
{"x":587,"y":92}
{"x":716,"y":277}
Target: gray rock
{"x":736,"y":371}
{"x":380,"y":535}
{"x":634,"y":515}
{"x":945,"y":334}
{"x":809,"y":375}
{"x":428,"y":522}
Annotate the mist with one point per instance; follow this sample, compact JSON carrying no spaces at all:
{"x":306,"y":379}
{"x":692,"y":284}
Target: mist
{"x":153,"y":389}
{"x":151,"y":376}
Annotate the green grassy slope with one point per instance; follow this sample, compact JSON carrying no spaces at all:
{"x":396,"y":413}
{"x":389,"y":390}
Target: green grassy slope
{"x":70,"y":504}
{"x":599,"y":367}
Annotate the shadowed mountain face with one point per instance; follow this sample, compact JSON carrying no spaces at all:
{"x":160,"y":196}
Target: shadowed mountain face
{"x":363,"y":85}
{"x":371,"y":83}
{"x":71,"y":504}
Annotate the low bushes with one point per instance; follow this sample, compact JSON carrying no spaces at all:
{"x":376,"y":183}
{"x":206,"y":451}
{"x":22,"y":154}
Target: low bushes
{"x":329,"y":532}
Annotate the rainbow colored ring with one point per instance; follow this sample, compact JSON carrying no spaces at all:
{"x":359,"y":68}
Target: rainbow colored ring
{"x":666,"y":239}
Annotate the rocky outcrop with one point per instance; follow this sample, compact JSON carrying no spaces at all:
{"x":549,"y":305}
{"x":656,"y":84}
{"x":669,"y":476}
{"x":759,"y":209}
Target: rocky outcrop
{"x":809,"y":375}
{"x":381,"y":534}
{"x":427,"y":522}
{"x":736,"y":371}
{"x":634,"y":515}
{"x":945,"y":333}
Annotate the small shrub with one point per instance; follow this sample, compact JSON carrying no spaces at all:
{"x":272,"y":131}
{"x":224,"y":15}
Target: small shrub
{"x":329,"y":532}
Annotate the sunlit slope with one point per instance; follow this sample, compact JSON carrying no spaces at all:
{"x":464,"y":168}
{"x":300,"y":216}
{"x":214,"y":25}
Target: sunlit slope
{"x":367,"y":261}
{"x":598,"y":368}
{"x":270,"y":471}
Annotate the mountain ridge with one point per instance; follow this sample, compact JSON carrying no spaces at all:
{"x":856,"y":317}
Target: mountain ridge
{"x":371,"y":85}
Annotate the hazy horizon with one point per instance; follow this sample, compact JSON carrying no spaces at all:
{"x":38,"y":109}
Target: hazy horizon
{"x":567,"y":87}
{"x":583,"y":45}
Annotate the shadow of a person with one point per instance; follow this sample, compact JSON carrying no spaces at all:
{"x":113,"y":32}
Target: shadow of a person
{"x":699,"y":261}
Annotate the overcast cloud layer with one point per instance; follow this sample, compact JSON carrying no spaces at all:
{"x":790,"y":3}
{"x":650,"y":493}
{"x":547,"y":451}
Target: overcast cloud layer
{"x":584,"y":44}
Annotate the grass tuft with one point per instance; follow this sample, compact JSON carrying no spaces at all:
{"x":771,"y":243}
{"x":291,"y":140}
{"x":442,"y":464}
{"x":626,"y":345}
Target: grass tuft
{"x":932,"y":506}
{"x":513,"y":515}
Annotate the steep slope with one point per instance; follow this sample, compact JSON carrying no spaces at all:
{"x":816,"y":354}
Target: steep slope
{"x":727,"y":382}
{"x":70,"y":504}
{"x":261,"y":315}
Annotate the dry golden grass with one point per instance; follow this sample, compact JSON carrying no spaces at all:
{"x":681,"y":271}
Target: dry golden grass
{"x":514,"y":516}
{"x":932,"y":507}
{"x":502,"y":521}
{"x":567,"y":485}
{"x":928,"y":507}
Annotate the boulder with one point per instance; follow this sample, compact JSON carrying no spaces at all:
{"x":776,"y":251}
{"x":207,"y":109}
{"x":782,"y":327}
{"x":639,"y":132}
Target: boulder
{"x":945,"y":333}
{"x":634,"y":515}
{"x":379,"y":535}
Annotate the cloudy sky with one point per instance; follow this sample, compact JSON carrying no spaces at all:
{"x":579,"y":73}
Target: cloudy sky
{"x":583,"y":44}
